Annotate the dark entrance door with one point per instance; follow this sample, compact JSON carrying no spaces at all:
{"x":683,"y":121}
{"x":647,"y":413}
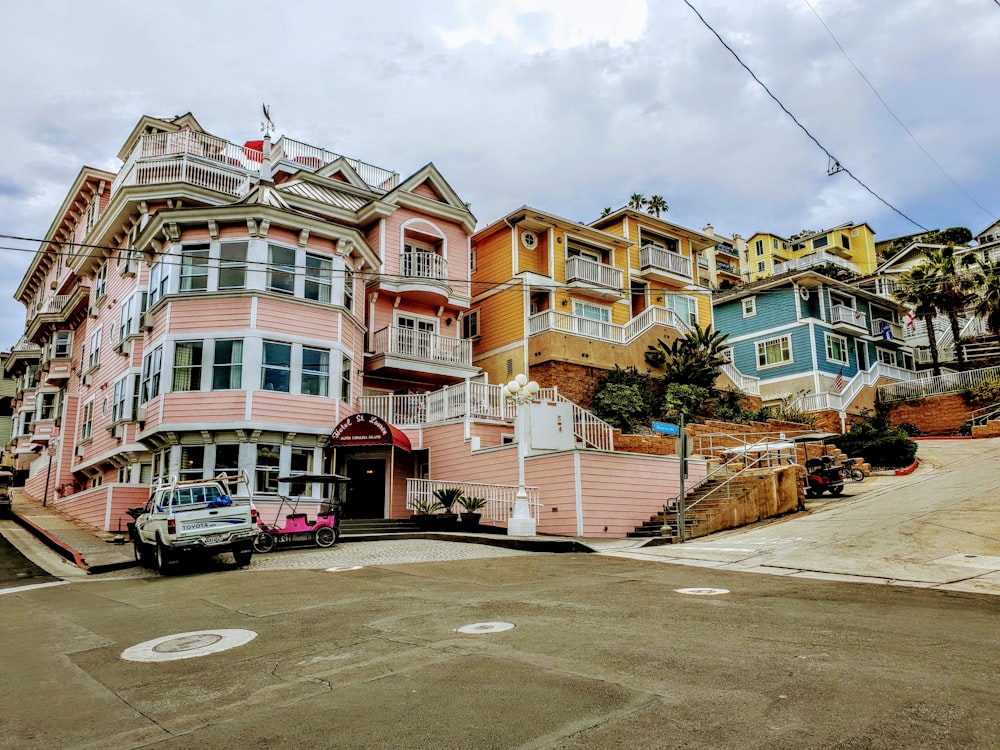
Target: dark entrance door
{"x":366,"y":492}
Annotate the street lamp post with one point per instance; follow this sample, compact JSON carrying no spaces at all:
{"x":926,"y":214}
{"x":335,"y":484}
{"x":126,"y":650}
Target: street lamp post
{"x":52,"y":449}
{"x":522,"y":392}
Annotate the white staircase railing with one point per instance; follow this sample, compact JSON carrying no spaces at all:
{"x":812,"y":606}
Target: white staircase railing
{"x":863,"y":379}
{"x":746,"y":383}
{"x":499,"y":497}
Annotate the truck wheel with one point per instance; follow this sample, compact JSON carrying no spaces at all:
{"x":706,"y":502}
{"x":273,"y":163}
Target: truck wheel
{"x":141,"y":553}
{"x":325,"y":536}
{"x":243,"y":555}
{"x":263,"y":542}
{"x":163,"y":557}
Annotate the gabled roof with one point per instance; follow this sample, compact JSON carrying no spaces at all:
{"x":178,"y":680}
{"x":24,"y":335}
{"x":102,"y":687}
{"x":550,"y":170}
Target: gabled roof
{"x":342,"y":168}
{"x":446,"y":202}
{"x":327,"y":194}
{"x":148,"y":124}
{"x":705,"y":240}
{"x":264,"y":194}
{"x":807,"y":277}
{"x":533,"y":216}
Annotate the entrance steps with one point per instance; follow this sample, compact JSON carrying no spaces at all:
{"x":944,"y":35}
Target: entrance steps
{"x":377,"y":526}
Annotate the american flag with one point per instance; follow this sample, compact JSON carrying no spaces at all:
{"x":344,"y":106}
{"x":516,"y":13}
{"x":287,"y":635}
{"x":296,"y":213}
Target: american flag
{"x":838,"y":383}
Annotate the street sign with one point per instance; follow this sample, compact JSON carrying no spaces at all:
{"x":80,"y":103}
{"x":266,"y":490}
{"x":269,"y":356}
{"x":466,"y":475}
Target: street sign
{"x":665,"y":428}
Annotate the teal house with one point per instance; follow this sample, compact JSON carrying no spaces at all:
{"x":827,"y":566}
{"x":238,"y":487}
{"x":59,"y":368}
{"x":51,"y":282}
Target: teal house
{"x":815,"y":343}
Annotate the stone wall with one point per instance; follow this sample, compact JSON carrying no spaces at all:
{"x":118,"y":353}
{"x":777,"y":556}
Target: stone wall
{"x":935,"y":415}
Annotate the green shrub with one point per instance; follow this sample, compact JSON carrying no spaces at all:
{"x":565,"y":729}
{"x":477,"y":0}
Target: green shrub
{"x":878,"y":441}
{"x":987,"y":392}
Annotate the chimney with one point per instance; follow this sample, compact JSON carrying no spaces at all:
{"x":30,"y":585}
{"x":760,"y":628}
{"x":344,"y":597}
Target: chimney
{"x":709,"y":230}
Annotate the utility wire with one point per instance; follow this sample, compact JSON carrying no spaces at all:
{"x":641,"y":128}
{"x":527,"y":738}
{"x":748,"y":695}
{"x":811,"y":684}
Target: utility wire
{"x":837,"y":165}
{"x":894,"y":116}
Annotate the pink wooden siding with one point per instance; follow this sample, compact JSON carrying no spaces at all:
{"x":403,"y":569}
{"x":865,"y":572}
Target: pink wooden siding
{"x":309,"y":320}
{"x":200,"y":407}
{"x":201,"y":315}
{"x":287,"y":410}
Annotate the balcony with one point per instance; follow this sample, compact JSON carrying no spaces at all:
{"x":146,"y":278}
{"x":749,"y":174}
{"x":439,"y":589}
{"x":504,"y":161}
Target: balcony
{"x":600,"y":279}
{"x":421,"y":265}
{"x":215,"y":164}
{"x":842,"y":316}
{"x":22,"y":351}
{"x":603,"y":331}
{"x":660,"y":262}
{"x":407,"y":352}
{"x":895,"y":329}
{"x":422,"y":277}
{"x":820,"y":258}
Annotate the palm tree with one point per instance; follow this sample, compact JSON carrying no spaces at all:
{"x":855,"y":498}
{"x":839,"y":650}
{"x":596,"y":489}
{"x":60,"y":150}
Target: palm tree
{"x":606,"y":211}
{"x":917,"y":289}
{"x":953,"y":289}
{"x":655,"y":205}
{"x":637,"y":201}
{"x":987,"y":281}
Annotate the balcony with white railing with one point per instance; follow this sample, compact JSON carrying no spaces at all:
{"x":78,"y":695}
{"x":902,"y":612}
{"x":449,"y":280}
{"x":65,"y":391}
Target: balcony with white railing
{"x":590,"y":272}
{"x":658,"y":261}
{"x":820,"y":258}
{"x":550,"y":320}
{"x":842,"y":316}
{"x":405,"y":351}
{"x":895,"y":329}
{"x":213,"y":163}
{"x":423,"y":265}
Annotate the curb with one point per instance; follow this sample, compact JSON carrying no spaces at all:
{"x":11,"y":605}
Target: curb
{"x":50,"y":541}
{"x":908,"y":470}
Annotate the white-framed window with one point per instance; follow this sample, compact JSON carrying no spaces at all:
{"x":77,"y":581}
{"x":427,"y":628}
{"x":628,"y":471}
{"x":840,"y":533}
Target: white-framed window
{"x":266,"y":475}
{"x":121,"y":401}
{"x":187,"y":366}
{"x":48,"y":405}
{"x":25,"y":420}
{"x":233,"y":265}
{"x":776,"y":351}
{"x":227,"y":459}
{"x":345,"y":379}
{"x":319,"y":278}
{"x":820,"y":242}
{"x":749,"y":307}
{"x":774,"y":242}
{"x":128,"y":315}
{"x":62,"y":344}
{"x":94,"y":358}
{"x":101,"y":281}
{"x":473,"y":261}
{"x":685,"y":307}
{"x":315,"y":372}
{"x":728,"y":354}
{"x":87,"y":420}
{"x":470,"y":324}
{"x":349,"y":289}
{"x":158,"y":280}
{"x":151,"y":364}
{"x":93,"y":212}
{"x":276,"y":367}
{"x":192,"y":462}
{"x":845,"y":242}
{"x":836,"y":348}
{"x":227,"y":367}
{"x":762,"y":266}
{"x":194,"y":268}
{"x":301,"y":462}
{"x":758,"y":247}
{"x":885,"y":356}
{"x":414,"y":335}
{"x":281,"y":269}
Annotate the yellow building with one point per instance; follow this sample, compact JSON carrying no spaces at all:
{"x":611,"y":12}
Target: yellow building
{"x":848,"y":246}
{"x":563,"y":301}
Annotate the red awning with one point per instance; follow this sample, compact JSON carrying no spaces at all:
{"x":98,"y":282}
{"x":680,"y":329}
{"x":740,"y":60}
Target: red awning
{"x":367,"y":430}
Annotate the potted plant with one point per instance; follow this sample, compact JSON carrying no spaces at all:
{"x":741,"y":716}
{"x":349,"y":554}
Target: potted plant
{"x":448,"y":497}
{"x":472,"y":507}
{"x":425,"y":511}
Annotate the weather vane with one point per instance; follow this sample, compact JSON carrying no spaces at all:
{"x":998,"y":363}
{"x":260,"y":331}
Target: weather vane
{"x":267,"y":126}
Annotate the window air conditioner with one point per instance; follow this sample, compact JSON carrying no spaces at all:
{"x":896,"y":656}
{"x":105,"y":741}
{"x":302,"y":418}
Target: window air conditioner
{"x":80,"y":451}
{"x":140,"y":414}
{"x":92,"y":311}
{"x":85,"y":380}
{"x":147,"y":321}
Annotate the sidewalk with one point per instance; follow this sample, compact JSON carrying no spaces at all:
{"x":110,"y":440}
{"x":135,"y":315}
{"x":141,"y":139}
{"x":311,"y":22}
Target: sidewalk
{"x":90,"y":549}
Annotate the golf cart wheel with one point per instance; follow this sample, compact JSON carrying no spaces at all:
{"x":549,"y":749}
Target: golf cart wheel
{"x":857,"y":475}
{"x":163,"y":557}
{"x":812,"y":492}
{"x":325,"y":536}
{"x":243,"y":555}
{"x":836,"y":489}
{"x":263,"y":542}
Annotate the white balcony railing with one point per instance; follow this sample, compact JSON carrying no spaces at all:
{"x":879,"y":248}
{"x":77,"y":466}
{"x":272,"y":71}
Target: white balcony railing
{"x":499,"y":497}
{"x":820,"y":258}
{"x":651,"y":256}
{"x":216,"y":164}
{"x":950,"y":383}
{"x":592,"y":272}
{"x":895,"y":329}
{"x":421,"y":265}
{"x":422,"y":345}
{"x":848,"y":316}
{"x":550,"y":320}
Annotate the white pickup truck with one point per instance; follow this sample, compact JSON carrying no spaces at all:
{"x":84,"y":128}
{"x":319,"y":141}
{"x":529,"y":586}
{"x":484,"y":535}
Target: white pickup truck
{"x":200,"y":515}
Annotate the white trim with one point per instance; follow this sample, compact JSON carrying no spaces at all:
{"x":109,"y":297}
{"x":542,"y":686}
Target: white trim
{"x":781,"y":363}
{"x":827,"y":337}
{"x":578,"y":491}
{"x":757,"y":334}
{"x":753,"y":305}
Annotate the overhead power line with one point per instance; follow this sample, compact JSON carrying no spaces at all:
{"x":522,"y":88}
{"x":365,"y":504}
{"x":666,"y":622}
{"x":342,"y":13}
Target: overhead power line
{"x":894,"y":116}
{"x":836,"y":164}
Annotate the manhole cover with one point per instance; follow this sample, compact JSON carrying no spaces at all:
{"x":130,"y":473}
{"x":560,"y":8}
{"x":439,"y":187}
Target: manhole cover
{"x":485,"y":627}
{"x":188,"y":645}
{"x":702,"y":592}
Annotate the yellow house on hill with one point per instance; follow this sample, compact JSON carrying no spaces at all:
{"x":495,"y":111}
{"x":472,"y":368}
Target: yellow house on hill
{"x":849,"y":246}
{"x":563,"y":301}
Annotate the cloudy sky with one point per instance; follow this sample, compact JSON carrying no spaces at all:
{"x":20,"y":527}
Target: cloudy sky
{"x":566,"y":105}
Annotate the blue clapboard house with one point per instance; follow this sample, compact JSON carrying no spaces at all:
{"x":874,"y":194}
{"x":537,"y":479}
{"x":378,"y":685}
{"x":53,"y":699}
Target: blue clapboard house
{"x":815,"y":343}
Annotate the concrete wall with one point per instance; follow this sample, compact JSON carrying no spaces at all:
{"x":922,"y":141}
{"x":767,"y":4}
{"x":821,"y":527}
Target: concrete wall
{"x":937,"y":415}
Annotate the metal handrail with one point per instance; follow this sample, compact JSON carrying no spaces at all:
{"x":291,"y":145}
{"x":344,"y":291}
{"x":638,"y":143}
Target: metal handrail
{"x":983,"y":415}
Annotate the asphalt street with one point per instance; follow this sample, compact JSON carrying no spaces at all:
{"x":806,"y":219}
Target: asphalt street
{"x":785,"y":635}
